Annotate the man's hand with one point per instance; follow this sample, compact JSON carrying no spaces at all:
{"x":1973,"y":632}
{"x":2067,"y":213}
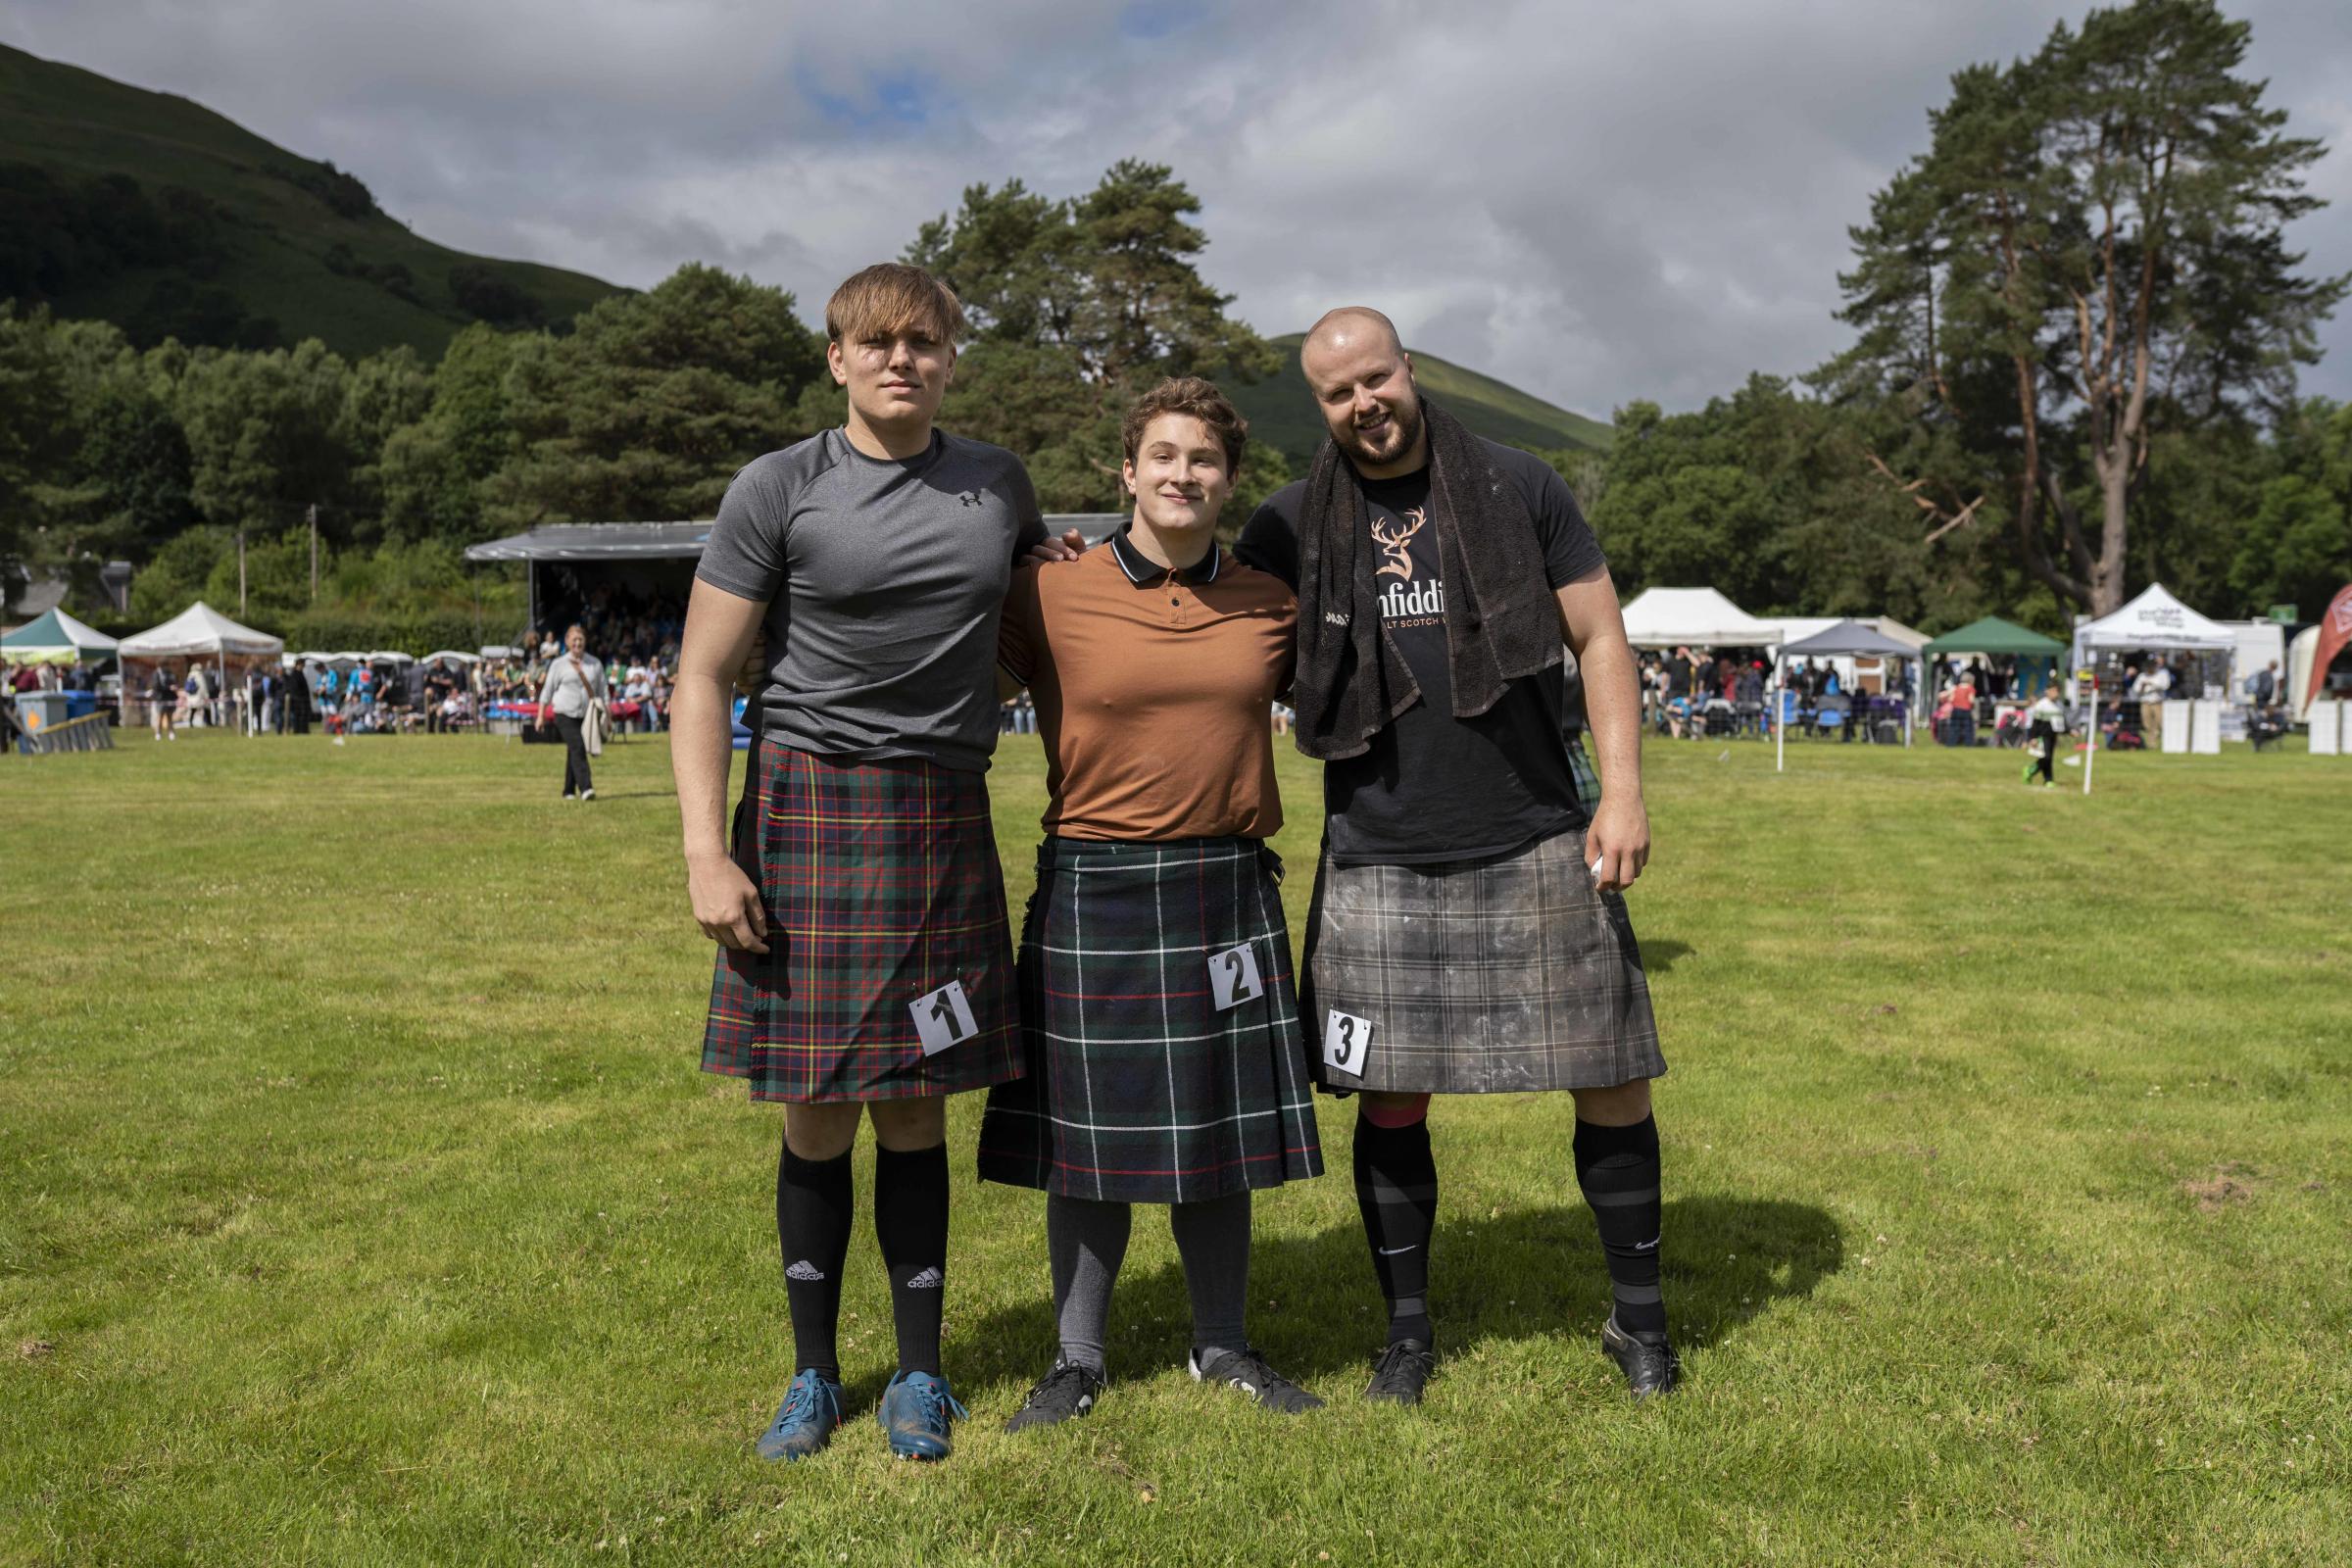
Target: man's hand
{"x":725,"y":904}
{"x":1617,"y":844}
{"x":1069,"y":546}
{"x":750,"y":677}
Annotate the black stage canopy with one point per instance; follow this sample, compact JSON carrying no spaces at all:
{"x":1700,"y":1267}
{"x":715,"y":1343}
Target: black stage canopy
{"x":599,"y":541}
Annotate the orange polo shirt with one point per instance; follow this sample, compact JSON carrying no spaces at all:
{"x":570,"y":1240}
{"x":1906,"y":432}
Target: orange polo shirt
{"x":1154,"y":690}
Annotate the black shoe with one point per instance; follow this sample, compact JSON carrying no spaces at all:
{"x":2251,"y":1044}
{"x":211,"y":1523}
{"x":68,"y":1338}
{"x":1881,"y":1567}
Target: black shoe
{"x":1069,"y":1390}
{"x":1401,"y":1372}
{"x":1247,"y":1370}
{"x":1649,"y":1364}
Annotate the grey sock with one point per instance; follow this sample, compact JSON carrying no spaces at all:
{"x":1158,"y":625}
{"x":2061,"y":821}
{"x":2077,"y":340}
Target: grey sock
{"x":1212,"y":1236}
{"x":1087,"y":1242}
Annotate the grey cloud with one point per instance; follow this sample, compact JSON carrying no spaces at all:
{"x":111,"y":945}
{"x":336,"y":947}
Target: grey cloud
{"x":1597,"y":203}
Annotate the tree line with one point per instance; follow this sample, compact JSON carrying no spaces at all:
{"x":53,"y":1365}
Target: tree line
{"x":2077,"y":330}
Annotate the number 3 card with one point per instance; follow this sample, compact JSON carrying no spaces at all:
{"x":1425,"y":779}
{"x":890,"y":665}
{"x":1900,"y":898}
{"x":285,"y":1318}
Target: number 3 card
{"x":1346,"y":1042}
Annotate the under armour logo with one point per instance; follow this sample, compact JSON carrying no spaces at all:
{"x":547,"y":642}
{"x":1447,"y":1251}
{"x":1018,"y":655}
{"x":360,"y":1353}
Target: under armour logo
{"x":930,"y":1279}
{"x":970,"y":498}
{"x":804,"y":1270}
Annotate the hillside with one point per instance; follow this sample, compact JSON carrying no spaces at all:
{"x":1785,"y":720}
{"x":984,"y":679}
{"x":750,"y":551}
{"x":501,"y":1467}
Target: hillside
{"x":153,"y":212}
{"x":1282,"y":414}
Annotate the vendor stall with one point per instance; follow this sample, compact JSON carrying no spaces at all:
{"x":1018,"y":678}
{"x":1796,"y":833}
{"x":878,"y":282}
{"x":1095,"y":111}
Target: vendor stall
{"x":197,"y":635}
{"x":1695,"y":617}
{"x":1848,"y":638}
{"x":56,"y":638}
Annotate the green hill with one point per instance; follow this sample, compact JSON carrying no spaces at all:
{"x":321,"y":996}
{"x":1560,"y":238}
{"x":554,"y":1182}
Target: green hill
{"x":153,"y":212}
{"x":1283,"y":414}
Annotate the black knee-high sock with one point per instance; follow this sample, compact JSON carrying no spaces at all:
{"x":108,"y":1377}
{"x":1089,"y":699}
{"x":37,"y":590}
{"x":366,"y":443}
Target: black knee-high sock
{"x":1397,"y":1189}
{"x":911,"y":1221}
{"x":815,"y":1204}
{"x":1618,"y":1169}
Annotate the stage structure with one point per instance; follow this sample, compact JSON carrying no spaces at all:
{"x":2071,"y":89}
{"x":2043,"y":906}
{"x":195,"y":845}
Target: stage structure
{"x":656,"y":560}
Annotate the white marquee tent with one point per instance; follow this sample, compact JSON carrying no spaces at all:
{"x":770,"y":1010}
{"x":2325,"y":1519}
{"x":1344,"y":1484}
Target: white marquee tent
{"x":200,"y":634}
{"x":1697,"y":617}
{"x":2155,"y":619}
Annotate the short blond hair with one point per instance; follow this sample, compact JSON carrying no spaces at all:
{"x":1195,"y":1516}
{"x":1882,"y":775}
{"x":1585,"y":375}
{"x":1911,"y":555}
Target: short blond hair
{"x":889,"y":298}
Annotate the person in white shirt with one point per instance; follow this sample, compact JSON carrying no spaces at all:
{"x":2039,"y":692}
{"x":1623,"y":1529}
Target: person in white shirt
{"x":573,"y":680}
{"x":2046,"y":722}
{"x":640,"y":690}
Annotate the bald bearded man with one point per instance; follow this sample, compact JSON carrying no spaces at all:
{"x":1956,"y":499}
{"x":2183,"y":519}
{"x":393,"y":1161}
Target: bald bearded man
{"x":1468,"y":933}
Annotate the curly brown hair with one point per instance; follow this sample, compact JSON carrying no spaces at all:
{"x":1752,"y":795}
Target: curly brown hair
{"x":1195,"y":397}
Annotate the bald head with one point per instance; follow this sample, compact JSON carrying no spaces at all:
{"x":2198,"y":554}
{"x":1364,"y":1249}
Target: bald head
{"x":1362,"y":379}
{"x":1352,"y":325}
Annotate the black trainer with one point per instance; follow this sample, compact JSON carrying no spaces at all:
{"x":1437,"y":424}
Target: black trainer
{"x":1069,"y":1390}
{"x":1247,"y":1370}
{"x":1401,"y":1373}
{"x":1649,"y":1364}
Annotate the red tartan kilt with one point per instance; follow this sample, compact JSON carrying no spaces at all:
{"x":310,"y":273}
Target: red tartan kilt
{"x":882,"y":886}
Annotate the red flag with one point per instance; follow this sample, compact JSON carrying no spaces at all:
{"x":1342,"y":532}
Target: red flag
{"x":2336,"y":631}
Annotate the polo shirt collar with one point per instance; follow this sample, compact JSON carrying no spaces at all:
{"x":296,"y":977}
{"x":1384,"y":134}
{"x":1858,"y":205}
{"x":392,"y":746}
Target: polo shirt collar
{"x":1142,"y":568}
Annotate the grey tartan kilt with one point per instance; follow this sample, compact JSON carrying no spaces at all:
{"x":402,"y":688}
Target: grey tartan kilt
{"x":1476,"y":977}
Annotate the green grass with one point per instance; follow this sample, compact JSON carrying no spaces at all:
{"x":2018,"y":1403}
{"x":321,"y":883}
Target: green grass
{"x":78,"y":125}
{"x":360,"y":1201}
{"x":1282,"y":412}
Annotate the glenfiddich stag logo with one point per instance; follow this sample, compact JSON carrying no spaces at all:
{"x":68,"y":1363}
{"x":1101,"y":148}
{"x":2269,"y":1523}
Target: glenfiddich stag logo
{"x":1392,"y":541}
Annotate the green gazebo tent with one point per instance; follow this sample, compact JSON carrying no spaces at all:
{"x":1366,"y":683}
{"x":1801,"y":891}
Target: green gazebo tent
{"x":1994,"y":635}
{"x":57,"y":638}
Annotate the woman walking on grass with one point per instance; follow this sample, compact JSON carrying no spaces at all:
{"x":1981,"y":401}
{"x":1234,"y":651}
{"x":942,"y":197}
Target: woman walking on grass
{"x":576,"y":679}
{"x":1158,"y":1023}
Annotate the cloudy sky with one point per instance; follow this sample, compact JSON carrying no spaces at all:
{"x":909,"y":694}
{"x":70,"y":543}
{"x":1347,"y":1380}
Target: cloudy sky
{"x":1596,"y":202}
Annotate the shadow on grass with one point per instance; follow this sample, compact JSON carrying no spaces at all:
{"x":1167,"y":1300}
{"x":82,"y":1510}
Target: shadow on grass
{"x":1660,"y":957}
{"x":1531,"y":1273}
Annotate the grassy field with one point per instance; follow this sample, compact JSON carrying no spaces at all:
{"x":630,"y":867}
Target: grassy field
{"x":361,"y":1202}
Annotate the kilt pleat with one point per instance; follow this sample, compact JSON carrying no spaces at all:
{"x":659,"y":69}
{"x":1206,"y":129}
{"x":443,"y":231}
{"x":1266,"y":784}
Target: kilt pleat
{"x":882,"y":886}
{"x":1493,"y":976}
{"x":1138,"y":1088}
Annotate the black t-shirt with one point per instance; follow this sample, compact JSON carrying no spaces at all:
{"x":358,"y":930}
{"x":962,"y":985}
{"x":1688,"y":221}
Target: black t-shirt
{"x":1434,"y":787}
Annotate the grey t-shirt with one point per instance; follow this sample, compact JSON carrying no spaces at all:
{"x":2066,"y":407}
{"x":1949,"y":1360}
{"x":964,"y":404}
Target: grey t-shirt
{"x":883,"y":581}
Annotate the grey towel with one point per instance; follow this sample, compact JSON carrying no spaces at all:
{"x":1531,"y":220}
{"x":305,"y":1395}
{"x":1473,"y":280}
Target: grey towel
{"x":1502,"y":622}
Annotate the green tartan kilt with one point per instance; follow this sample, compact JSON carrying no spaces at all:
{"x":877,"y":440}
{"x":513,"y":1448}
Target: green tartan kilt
{"x":1139,"y":1088}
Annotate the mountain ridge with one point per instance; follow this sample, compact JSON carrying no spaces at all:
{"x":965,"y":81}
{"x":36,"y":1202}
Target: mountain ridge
{"x":153,"y":211}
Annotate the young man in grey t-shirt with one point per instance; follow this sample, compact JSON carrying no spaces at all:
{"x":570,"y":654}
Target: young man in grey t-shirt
{"x":865,"y":965}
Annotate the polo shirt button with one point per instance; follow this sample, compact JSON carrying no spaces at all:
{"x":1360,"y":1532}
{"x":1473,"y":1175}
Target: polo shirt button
{"x":1173,"y":600}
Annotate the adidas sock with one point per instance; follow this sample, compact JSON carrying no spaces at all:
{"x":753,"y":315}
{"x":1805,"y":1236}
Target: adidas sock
{"x":1618,"y":1169}
{"x":911,"y":1221}
{"x":813,"y":1206}
{"x":1087,"y":1240}
{"x":1396,"y":1191}
{"x":1212,"y":1236}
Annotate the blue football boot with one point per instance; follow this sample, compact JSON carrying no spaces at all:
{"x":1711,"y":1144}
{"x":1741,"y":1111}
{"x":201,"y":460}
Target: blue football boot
{"x":805,"y":1422}
{"x":915,"y":1412}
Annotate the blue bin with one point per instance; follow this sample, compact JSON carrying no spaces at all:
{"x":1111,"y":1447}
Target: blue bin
{"x":81,"y":705}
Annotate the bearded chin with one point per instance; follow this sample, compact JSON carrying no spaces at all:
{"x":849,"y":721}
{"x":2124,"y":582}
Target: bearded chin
{"x":1404,"y":428}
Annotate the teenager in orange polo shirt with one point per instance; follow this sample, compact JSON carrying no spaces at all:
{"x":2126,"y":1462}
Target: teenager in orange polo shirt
{"x":1164,"y":1062}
